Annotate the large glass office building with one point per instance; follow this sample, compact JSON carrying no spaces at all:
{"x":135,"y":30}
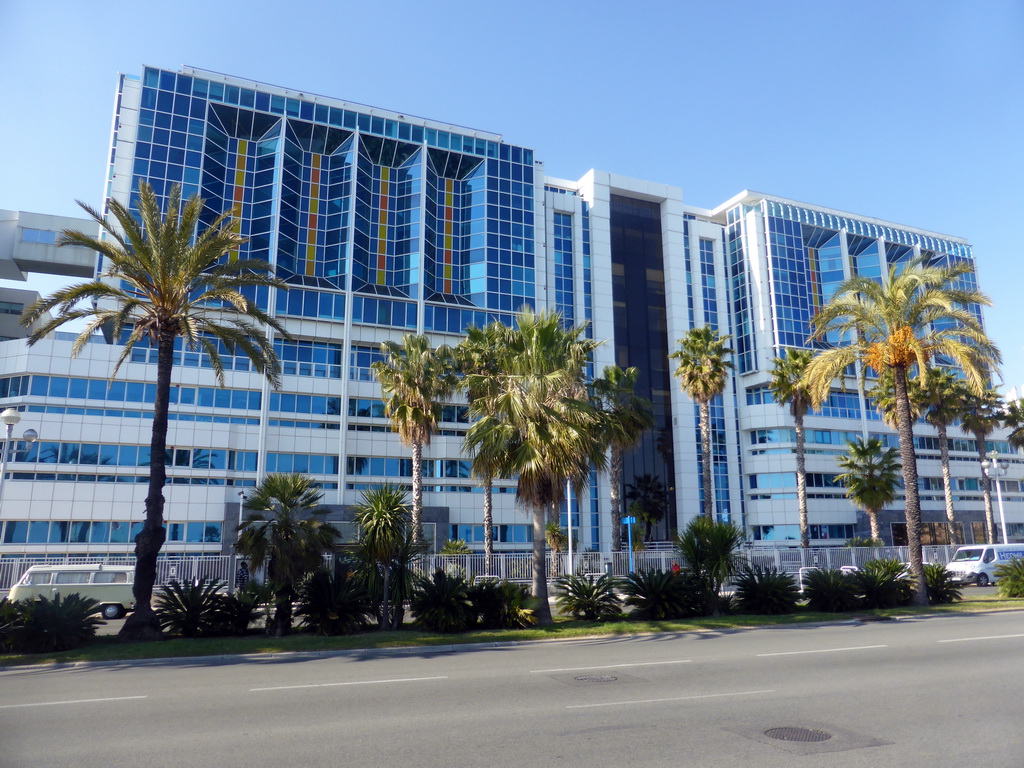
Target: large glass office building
{"x":384,"y":224}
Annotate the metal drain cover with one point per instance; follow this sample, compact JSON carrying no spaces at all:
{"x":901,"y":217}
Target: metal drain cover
{"x":797,"y":734}
{"x":596,"y":679}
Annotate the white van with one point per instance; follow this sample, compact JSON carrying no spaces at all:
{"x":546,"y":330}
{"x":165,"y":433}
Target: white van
{"x":977,"y":564}
{"x":109,"y":585}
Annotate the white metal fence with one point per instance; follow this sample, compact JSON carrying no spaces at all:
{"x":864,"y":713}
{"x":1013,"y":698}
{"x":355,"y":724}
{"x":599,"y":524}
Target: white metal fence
{"x":515,"y":566}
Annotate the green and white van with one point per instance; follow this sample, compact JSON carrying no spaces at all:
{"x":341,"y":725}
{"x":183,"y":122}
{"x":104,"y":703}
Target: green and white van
{"x":977,"y":564}
{"x":109,"y":585}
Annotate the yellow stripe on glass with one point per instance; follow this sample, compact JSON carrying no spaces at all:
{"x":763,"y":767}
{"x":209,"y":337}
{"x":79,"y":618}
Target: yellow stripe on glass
{"x":314,"y":209}
{"x":382,"y":227}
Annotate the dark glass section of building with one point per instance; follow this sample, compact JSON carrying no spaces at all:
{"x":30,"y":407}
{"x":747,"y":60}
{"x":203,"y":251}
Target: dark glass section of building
{"x":641,"y":337}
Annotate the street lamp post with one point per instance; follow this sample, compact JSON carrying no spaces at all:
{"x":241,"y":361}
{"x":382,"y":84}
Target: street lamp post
{"x":10,"y":418}
{"x":994,"y":468}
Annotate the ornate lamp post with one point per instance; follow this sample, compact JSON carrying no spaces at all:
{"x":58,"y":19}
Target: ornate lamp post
{"x":994,"y":468}
{"x":10,"y":418}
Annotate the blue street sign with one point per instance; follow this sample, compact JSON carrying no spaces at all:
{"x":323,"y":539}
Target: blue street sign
{"x":628,"y":520}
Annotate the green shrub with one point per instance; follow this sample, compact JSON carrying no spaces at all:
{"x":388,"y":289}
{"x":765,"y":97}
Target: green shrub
{"x":1010,"y":578}
{"x":710,"y":550}
{"x":502,"y":605}
{"x":441,"y":603}
{"x":830,"y":591}
{"x":240,"y":610}
{"x":657,"y":595}
{"x":766,"y":591}
{"x":883,"y":583}
{"x":10,"y":616}
{"x":333,"y":605}
{"x":858,"y":541}
{"x":940,"y":585}
{"x":455,"y":547}
{"x":61,"y":624}
{"x":584,"y":598}
{"x":196,"y":609}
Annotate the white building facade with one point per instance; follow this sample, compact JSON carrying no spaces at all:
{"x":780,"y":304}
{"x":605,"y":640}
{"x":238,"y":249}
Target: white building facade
{"x":384,"y":224}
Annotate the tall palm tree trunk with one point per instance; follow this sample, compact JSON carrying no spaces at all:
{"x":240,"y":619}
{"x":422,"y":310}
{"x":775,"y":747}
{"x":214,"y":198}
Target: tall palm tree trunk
{"x":417,"y":491}
{"x":384,"y":622}
{"x":908,"y":459}
{"x":488,"y":525}
{"x":283,"y":611}
{"x":986,"y":488}
{"x":801,"y":482}
{"x":142,"y":623}
{"x":616,"y":497}
{"x":876,"y":529}
{"x":947,"y":486}
{"x":705,"y":451}
{"x":540,"y":577}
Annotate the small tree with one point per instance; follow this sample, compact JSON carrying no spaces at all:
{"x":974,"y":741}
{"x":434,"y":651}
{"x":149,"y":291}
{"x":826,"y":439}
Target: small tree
{"x":414,"y":379}
{"x":788,"y":388}
{"x":710,"y":550}
{"x":871,"y":477}
{"x":386,"y":546}
{"x":285,"y":533}
{"x":702,"y":373}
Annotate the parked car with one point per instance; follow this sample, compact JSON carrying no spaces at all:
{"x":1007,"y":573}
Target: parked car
{"x":109,"y":585}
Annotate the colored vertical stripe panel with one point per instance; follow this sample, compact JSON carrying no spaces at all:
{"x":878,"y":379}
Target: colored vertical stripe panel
{"x":314,"y":209}
{"x":238,"y":195}
{"x":382,"y":228}
{"x":446,"y":256}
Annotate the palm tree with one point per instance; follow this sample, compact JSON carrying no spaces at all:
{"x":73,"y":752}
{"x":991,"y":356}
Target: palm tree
{"x":1013,"y":418}
{"x":903,"y":324}
{"x":536,"y":422}
{"x":478,"y":355}
{"x":414,"y":378}
{"x":285,"y":533}
{"x":386,"y":545}
{"x":647,"y":501}
{"x":702,"y":372}
{"x":626,"y":416}
{"x":710,"y":551}
{"x":943,"y":396}
{"x":939,"y":398}
{"x":871,"y":477}
{"x":788,"y":388}
{"x":981,"y":416}
{"x":164,"y":279}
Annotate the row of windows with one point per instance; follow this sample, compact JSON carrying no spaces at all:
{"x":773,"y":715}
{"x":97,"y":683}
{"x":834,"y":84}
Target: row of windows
{"x":888,"y":439}
{"x":474,"y":534}
{"x":199,"y":418}
{"x":368,"y":408}
{"x":383,"y":466}
{"x":792,"y":532}
{"x":788,"y":480}
{"x":115,"y":532}
{"x":131,"y":456}
{"x":11,"y":308}
{"x":128,"y":392}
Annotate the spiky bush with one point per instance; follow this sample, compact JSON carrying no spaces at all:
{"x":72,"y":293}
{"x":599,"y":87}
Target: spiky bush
{"x":883,"y":583}
{"x":940,"y":585}
{"x":195,"y":609}
{"x":333,"y":605}
{"x":657,"y":595}
{"x":455,"y":547}
{"x":441,"y":603}
{"x":585,"y":598}
{"x":10,"y":615}
{"x":502,"y":605}
{"x":247,"y":605}
{"x":830,"y":591}
{"x":1010,"y":578}
{"x":61,"y":624}
{"x":765,"y":590}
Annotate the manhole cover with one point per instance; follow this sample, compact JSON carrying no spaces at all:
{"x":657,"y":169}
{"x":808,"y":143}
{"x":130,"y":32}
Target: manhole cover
{"x":797,"y":734}
{"x":596,"y":679}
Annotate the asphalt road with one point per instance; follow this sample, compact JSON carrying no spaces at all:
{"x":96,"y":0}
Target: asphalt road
{"x":939,"y":691}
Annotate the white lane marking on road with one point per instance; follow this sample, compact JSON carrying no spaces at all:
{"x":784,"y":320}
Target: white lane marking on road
{"x":989,"y":637}
{"x":610,"y":666}
{"x":825,"y":650}
{"x":72,"y":701}
{"x":659,"y":701}
{"x":353,"y":682}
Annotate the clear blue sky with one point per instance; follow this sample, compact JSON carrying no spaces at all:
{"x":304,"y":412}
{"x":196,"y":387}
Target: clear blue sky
{"x":908,"y":111}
